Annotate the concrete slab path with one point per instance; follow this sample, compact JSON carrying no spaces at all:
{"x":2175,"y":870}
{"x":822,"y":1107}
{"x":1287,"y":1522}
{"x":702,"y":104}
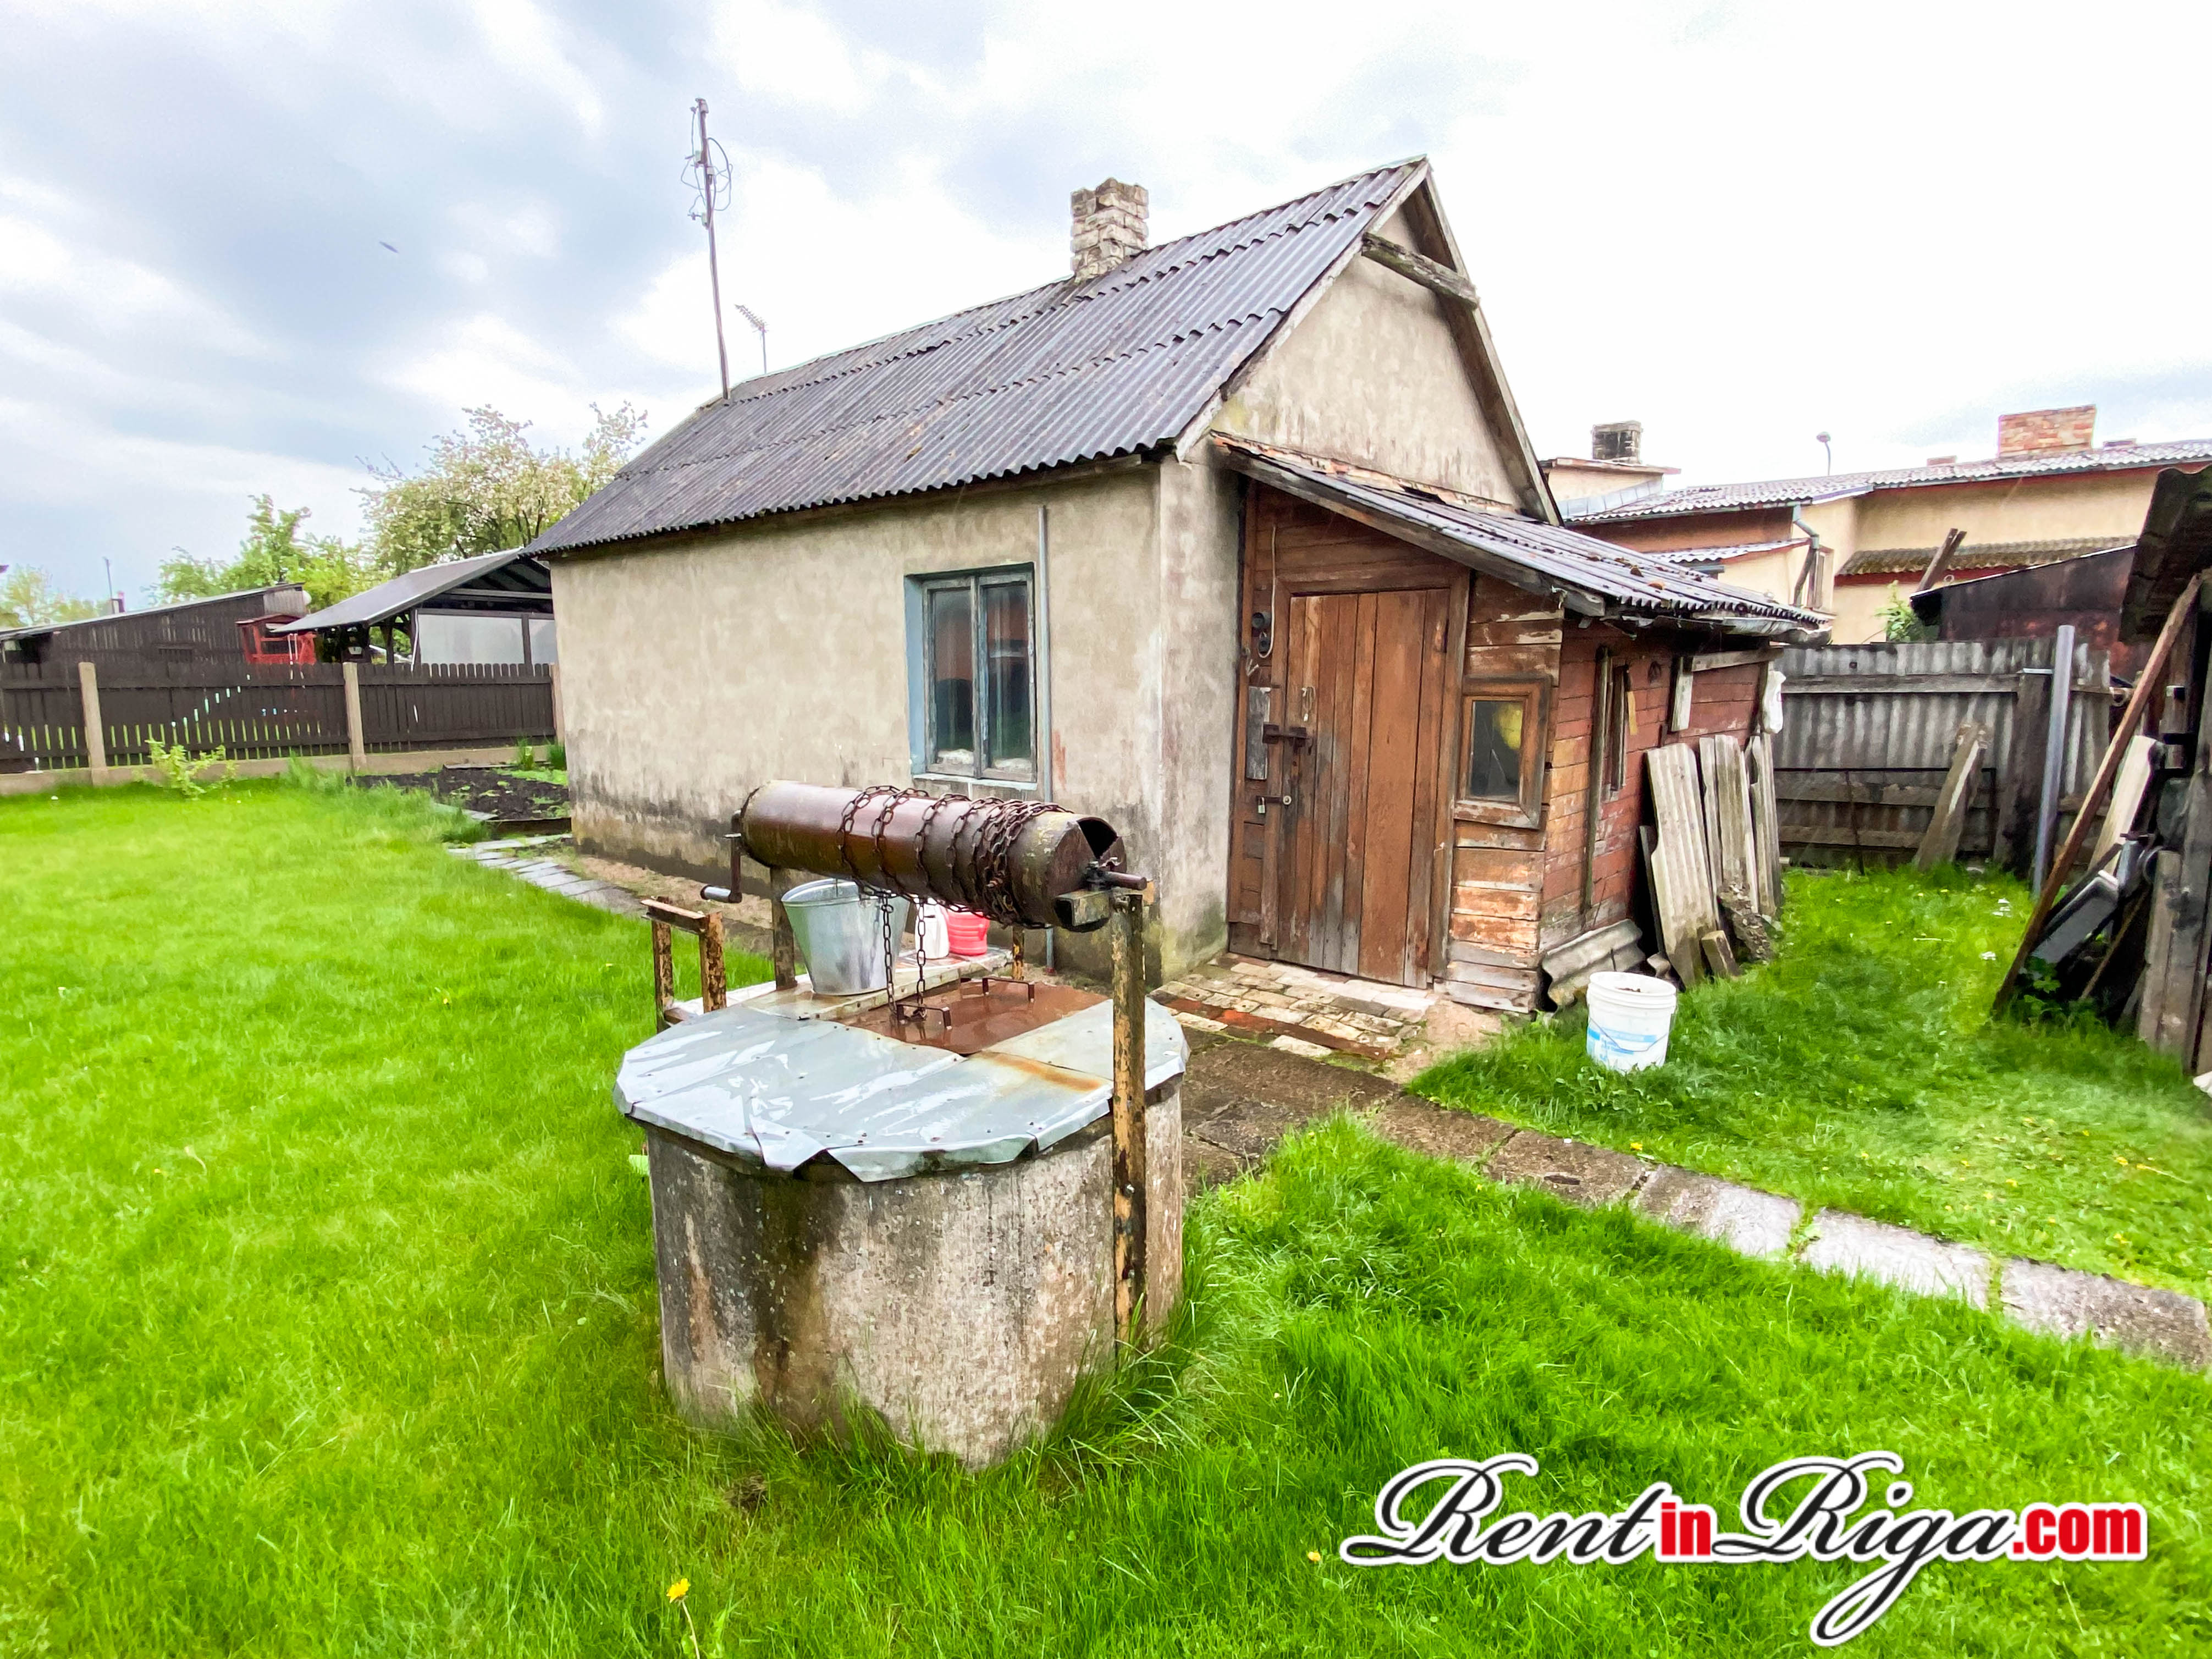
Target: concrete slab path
{"x":1242,"y":1098}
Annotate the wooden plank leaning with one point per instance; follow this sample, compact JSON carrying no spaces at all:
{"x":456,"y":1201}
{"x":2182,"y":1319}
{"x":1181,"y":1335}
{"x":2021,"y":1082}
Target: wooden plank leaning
{"x":1734,"y":854}
{"x":1939,"y":845}
{"x":1766,"y":827}
{"x":1681,"y":879}
{"x":2150,"y":678}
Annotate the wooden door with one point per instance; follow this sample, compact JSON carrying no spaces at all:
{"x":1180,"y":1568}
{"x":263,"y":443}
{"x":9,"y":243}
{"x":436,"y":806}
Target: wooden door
{"x":1366,"y":679}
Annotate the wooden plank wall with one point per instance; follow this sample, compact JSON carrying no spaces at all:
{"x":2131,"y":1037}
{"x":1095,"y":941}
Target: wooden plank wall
{"x":1293,"y":547}
{"x":1497,"y":870}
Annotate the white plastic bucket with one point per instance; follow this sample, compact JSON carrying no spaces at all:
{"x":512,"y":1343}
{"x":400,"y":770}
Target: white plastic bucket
{"x":1629,"y":1016}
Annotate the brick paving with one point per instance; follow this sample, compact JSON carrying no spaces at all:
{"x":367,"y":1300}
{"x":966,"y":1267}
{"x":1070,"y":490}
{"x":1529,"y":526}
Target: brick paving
{"x":1325,"y":1012}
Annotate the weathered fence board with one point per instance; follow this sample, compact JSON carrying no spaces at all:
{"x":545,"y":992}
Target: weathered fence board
{"x":254,"y":712}
{"x":1870,"y":731}
{"x":443,"y":706}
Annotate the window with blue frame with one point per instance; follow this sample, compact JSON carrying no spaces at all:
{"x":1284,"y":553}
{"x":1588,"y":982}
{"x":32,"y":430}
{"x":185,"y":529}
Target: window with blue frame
{"x":975,"y":667}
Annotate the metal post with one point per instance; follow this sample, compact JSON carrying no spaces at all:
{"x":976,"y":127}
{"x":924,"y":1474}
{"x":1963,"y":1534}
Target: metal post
{"x":95,"y":734}
{"x":357,"y":745}
{"x":2054,"y":751}
{"x":1040,"y":728}
{"x":1129,"y":1173}
{"x":784,"y":951}
{"x":560,"y":721}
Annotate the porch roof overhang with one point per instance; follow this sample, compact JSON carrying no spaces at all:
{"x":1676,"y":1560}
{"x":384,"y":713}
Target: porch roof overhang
{"x":1588,"y":577}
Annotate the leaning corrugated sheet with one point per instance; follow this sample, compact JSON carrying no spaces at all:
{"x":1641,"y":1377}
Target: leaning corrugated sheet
{"x":1081,"y":370}
{"x":1618,"y":581}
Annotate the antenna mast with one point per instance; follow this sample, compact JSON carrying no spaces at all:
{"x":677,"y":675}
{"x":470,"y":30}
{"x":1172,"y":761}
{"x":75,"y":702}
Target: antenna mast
{"x":708,"y":181}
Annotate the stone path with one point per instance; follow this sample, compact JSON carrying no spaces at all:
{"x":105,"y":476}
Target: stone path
{"x":521,"y":857}
{"x":1239,"y":1099}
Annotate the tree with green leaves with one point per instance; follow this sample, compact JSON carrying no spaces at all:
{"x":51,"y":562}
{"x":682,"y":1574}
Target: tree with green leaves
{"x":274,"y":551}
{"x":487,"y":488}
{"x":28,"y":598}
{"x":1899,"y":623}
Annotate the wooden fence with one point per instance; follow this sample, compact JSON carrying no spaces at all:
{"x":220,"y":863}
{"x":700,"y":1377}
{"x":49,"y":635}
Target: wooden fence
{"x":1868,"y":730}
{"x":254,"y":712}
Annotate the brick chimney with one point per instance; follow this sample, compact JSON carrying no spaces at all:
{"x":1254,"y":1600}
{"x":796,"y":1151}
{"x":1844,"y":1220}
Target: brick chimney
{"x":2040,"y":430}
{"x":1618,"y":441}
{"x":1110,"y":226}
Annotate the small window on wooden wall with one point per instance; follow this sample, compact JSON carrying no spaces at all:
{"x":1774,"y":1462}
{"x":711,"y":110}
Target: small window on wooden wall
{"x":1501,"y":758}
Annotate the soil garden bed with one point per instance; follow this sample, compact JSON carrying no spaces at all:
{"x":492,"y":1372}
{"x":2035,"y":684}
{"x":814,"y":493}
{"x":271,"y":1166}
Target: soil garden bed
{"x":510,"y":801}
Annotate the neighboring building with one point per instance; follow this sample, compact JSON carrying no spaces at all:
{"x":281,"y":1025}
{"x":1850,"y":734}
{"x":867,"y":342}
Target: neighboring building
{"x":230,"y":628}
{"x":495,"y":608}
{"x":1843,"y":543}
{"x":1236,"y":541}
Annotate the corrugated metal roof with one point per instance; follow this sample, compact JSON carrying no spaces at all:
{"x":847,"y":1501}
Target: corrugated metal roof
{"x":1608,"y":579}
{"x":2175,"y":544}
{"x":403,"y":593}
{"x":30,"y":629}
{"x":1790,"y":492}
{"x":1974,"y":555}
{"x":1079,"y":370}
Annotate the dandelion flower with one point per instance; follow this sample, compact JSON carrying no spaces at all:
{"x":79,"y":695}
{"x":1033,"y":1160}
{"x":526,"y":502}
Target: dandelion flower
{"x":679,"y":1590}
{"x":1314,"y":1556}
{"x":1635,"y":1146}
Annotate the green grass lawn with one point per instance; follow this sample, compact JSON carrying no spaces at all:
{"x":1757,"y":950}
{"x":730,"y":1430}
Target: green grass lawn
{"x":327,"y":1326}
{"x":1860,"y":1069}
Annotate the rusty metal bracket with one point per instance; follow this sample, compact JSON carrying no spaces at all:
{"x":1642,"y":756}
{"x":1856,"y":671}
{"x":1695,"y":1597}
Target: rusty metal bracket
{"x":666,"y":920}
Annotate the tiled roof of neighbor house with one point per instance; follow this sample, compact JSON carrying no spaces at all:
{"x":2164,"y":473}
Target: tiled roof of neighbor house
{"x":1974,"y":555}
{"x":1076,"y":370}
{"x":1791,"y":492}
{"x":514,"y":575}
{"x":1593,"y":577}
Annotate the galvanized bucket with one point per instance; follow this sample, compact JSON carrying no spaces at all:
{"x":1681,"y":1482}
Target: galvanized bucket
{"x":840,"y":932}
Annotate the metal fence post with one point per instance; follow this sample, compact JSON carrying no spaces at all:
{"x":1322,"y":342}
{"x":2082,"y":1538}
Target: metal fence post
{"x":356,"y":746}
{"x":2054,"y":752}
{"x":95,"y":734}
{"x":560,"y":723}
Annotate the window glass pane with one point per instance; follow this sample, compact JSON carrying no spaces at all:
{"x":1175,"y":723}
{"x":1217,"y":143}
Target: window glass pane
{"x":951,"y":679}
{"x":1006,"y":680}
{"x":1493,"y":749}
{"x":468,"y":639}
{"x":543,"y":646}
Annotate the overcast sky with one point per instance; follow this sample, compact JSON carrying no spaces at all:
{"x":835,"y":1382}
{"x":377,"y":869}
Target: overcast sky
{"x":1739,"y":224}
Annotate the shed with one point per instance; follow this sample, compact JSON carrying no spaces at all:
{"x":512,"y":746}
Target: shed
{"x":245,"y":626}
{"x":495,"y":608}
{"x":2084,"y":592}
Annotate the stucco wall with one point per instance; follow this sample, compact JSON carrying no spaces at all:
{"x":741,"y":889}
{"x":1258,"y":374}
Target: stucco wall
{"x":694,"y":672}
{"x":1372,"y":374}
{"x":2023,"y":510}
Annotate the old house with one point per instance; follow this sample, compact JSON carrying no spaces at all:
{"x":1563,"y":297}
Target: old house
{"x":1237,"y":540}
{"x":1849,"y":543}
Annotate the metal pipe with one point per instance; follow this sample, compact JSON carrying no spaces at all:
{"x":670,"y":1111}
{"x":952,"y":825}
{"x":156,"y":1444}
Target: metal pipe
{"x":1021,"y":863}
{"x":2054,"y":751}
{"x":1048,"y":785}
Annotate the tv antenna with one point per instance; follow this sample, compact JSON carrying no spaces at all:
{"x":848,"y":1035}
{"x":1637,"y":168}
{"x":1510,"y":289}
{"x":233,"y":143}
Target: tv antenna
{"x":708,"y":173}
{"x":759,"y":328}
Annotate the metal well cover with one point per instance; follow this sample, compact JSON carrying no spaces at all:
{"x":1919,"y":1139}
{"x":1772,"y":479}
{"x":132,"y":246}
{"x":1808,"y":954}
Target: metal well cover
{"x":770,"y":1089}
